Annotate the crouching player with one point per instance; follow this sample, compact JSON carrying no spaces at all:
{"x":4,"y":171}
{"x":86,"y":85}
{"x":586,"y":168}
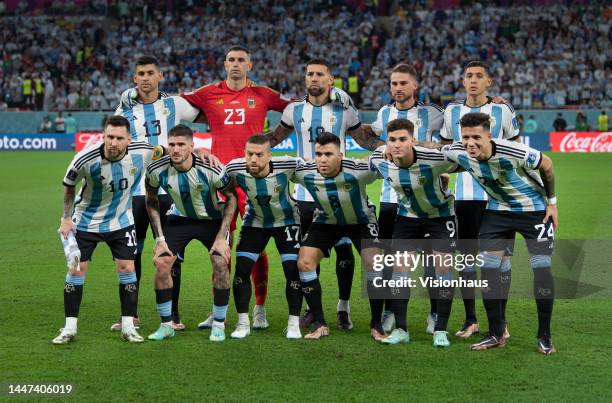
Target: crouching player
{"x":424,"y":208}
{"x":270,"y":213}
{"x":196,"y":214}
{"x":520,"y":183}
{"x":338,"y":186}
{"x":103,"y":213}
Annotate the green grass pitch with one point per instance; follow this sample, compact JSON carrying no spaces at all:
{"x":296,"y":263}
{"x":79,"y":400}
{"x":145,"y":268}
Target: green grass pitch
{"x":266,"y":366}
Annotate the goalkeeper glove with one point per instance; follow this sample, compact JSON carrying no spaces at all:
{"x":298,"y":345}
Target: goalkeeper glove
{"x":340,"y":97}
{"x":128,"y":98}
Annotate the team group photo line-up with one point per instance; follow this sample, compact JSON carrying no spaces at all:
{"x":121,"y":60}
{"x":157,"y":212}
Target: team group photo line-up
{"x":147,"y":172}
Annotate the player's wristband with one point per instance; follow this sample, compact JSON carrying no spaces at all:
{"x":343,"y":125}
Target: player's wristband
{"x":552,"y":201}
{"x":160,"y":238}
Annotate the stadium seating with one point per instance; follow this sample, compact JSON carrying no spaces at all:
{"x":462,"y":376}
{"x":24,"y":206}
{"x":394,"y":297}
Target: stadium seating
{"x":74,"y":58}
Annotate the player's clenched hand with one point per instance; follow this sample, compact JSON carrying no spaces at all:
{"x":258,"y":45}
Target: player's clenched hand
{"x":161,"y":247}
{"x":221,"y":247}
{"x":66,"y":225}
{"x":551,"y":212}
{"x":340,"y":97}
{"x":128,"y":98}
{"x":208,"y":156}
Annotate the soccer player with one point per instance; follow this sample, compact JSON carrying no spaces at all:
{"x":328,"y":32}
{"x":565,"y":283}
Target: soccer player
{"x":103,"y":213}
{"x":427,"y":119}
{"x":270,"y":213}
{"x":196,"y":214}
{"x":338,"y":186}
{"x":152,"y":114}
{"x":309,"y":118}
{"x":520,"y":183}
{"x":471,"y":198}
{"x":424,"y":209}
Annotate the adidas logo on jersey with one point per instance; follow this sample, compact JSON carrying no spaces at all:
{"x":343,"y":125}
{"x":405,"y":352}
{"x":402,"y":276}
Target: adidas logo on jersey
{"x":219,"y":102}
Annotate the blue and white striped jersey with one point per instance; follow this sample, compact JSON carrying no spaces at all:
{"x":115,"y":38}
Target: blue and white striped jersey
{"x":340,"y":200}
{"x":503,"y":126}
{"x":510,"y":176}
{"x":309,"y":121}
{"x":104,"y":203}
{"x":151,"y":122}
{"x":427,"y":119}
{"x":418,"y":186}
{"x":269,"y":203}
{"x":194,"y":192}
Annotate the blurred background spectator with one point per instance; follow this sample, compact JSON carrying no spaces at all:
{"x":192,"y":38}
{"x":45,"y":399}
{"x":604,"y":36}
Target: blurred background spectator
{"x":78,"y":55}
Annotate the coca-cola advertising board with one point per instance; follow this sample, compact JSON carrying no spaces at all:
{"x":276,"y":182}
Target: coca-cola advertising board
{"x":85,"y":139}
{"x":584,"y":142}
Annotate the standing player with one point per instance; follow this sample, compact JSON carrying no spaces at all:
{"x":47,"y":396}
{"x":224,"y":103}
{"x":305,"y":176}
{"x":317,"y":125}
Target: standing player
{"x":338,"y":186}
{"x":270,"y":213}
{"x":520,"y":183}
{"x":310,"y":117}
{"x":151,"y":116}
{"x":425,"y":209}
{"x":103,"y":213}
{"x":196,"y":214}
{"x":471,"y":198}
{"x":427,"y":119}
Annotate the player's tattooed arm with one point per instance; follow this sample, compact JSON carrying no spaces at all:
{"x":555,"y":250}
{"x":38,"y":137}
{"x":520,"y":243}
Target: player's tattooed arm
{"x":548,"y":178}
{"x":366,"y":138}
{"x":278,"y":135}
{"x":66,"y":223}
{"x":69,"y":194}
{"x":221,"y":245}
{"x":152,"y":203}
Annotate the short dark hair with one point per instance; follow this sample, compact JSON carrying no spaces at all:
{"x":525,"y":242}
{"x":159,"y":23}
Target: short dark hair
{"x":320,"y":62}
{"x":147,"y":59}
{"x":181,"y":131}
{"x":400,"y":124}
{"x":327,"y":138}
{"x":238,"y":48}
{"x":406,"y":69}
{"x":258,"y":139}
{"x":477,"y":63}
{"x":116,"y":121}
{"x":475,"y":119}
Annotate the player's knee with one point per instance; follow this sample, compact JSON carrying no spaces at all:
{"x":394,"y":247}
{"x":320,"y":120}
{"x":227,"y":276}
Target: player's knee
{"x":305,"y":264}
{"x":124,"y":265}
{"x":540,"y":262}
{"x":163,"y":263}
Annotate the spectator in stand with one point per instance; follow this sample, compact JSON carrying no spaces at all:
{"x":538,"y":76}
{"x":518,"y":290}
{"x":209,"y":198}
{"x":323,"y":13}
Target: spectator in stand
{"x":602,"y":122}
{"x":45,"y":126}
{"x":560,"y":124}
{"x":520,"y":119}
{"x":531,"y":125}
{"x":582,"y":125}
{"x":60,"y":127}
{"x":70,"y":124}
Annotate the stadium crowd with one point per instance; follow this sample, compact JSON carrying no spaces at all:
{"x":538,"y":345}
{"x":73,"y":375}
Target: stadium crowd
{"x":541,"y":57}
